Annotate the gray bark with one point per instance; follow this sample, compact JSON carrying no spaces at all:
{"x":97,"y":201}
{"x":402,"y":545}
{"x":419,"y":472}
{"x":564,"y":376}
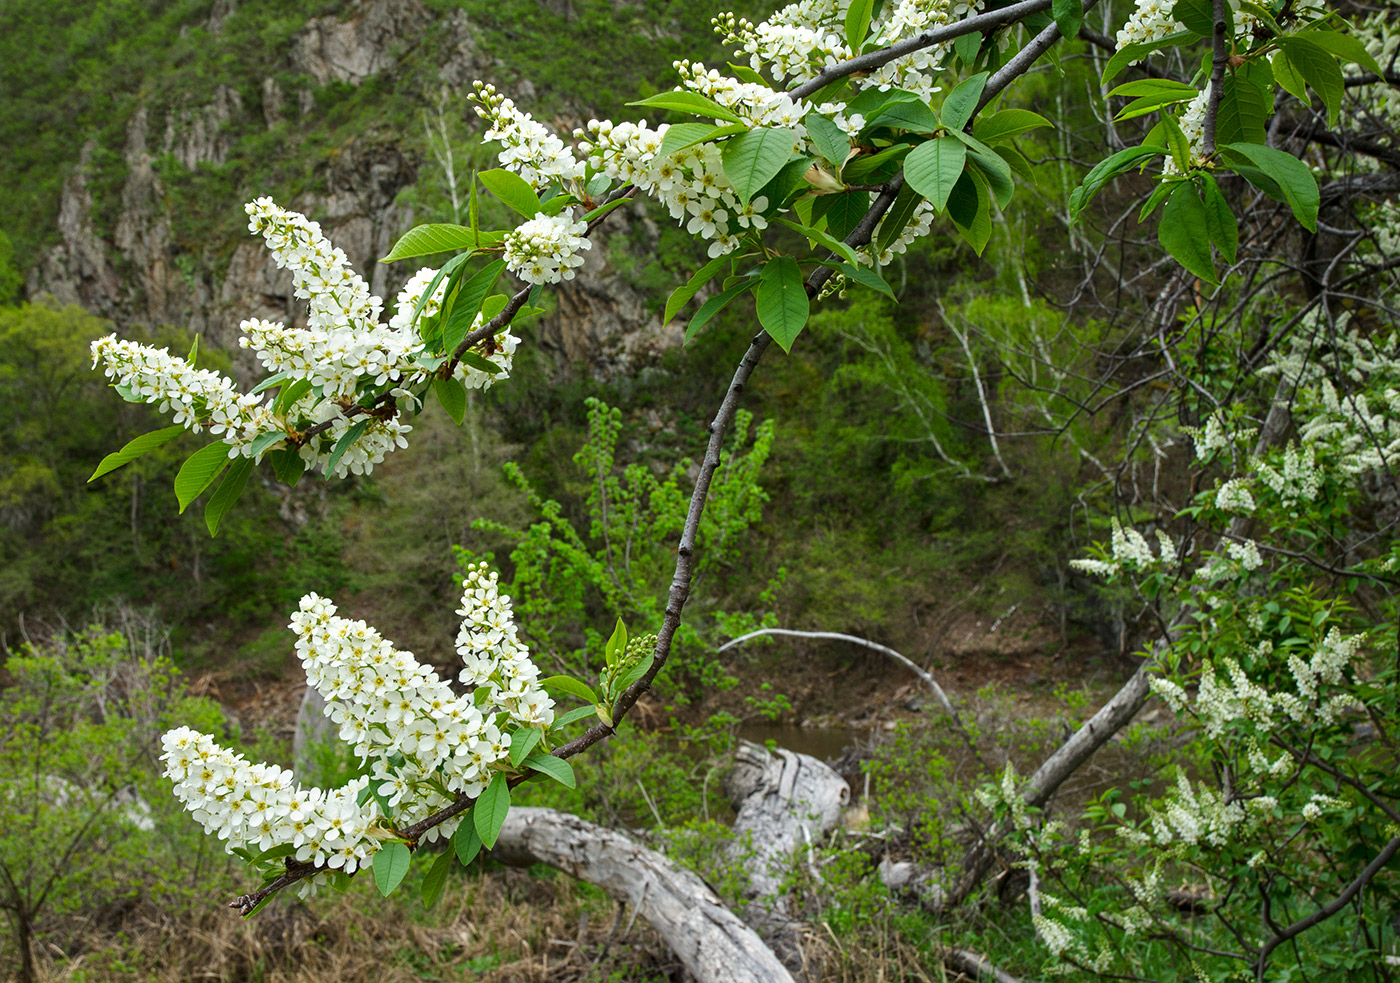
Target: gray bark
{"x":709,"y":939}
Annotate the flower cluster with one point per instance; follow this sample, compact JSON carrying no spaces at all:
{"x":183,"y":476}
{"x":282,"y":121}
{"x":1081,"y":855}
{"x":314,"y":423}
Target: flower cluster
{"x":422,"y":741}
{"x":528,"y":147}
{"x":342,"y":354}
{"x":1151,"y":21}
{"x":546,"y":249}
{"x":1129,"y":548}
{"x":795,"y":44}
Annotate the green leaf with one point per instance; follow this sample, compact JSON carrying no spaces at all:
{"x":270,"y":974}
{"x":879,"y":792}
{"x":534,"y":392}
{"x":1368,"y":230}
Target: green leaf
{"x":754,"y":158}
{"x":1198,"y":17}
{"x":1106,"y":170}
{"x":635,"y":673}
{"x":682,"y":135}
{"x":227,"y":493}
{"x":436,"y":879}
{"x":390,"y":866}
{"x":273,"y":380}
{"x":874,"y":168}
{"x":448,"y":268}
{"x":1243,"y":111}
{"x":1319,"y":68}
{"x":962,"y":101}
{"x":577,"y":713}
{"x":978,"y":230}
{"x":425,"y":240}
{"x":858,"y":22}
{"x":617,"y":644}
{"x":480,"y":362}
{"x":845,"y":212}
{"x":1147,"y":104}
{"x":467,"y":304}
{"x":1130,"y":53}
{"x":570,"y":685}
{"x":522,"y":742}
{"x":1178,"y":143}
{"x":1220,"y":220}
{"x":713,"y":306}
{"x":489,"y":812}
{"x":1006,"y":124}
{"x":512,"y":189}
{"x":688,"y":102}
{"x":265,"y":440}
{"x":288,"y":395}
{"x":997,"y":174}
{"x":134,"y":448}
{"x":967,"y":47}
{"x":822,"y":238}
{"x":1294,"y":179}
{"x":829,"y":139}
{"x":868,"y":278}
{"x":792,"y":177}
{"x":1069,"y":15}
{"x":933,"y":167}
{"x":287,"y":465}
{"x":466,"y":841}
{"x":343,"y":444}
{"x":602,"y":210}
{"x":1344,"y":46}
{"x":897,"y":217}
{"x":783,"y":306}
{"x":746,"y":74}
{"x":682,"y":294}
{"x":453,"y":398}
{"x":1155,"y":87}
{"x":1183,"y":233}
{"x":916,"y":117}
{"x":199,"y":472}
{"x":1287,"y":76}
{"x":556,"y":768}
{"x":193,"y":352}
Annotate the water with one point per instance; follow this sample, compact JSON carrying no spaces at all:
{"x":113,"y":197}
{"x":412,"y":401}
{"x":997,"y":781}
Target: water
{"x":823,"y":743}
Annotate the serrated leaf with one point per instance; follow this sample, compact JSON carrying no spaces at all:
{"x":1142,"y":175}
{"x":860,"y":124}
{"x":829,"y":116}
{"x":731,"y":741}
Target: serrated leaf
{"x":425,"y":240}
{"x":997,"y":173}
{"x":821,"y":238}
{"x":453,"y":397}
{"x":783,"y":305}
{"x":962,"y":101}
{"x":1069,"y":15}
{"x":713,"y":306}
{"x":933,"y":168}
{"x":1243,"y":111}
{"x":1007,"y":124}
{"x":897,"y":217}
{"x":288,"y":395}
{"x":436,"y":879}
{"x":1295,"y":181}
{"x":682,"y":294}
{"x":512,"y":189}
{"x":829,"y":139}
{"x":466,"y":841}
{"x":746,"y":74}
{"x":1344,"y":46}
{"x":134,"y":448}
{"x":556,"y":768}
{"x":577,"y":713}
{"x":1197,"y":16}
{"x":448,"y":268}
{"x":978,"y":230}
{"x":966,"y":47}
{"x":1319,"y":68}
{"x":265,"y":440}
{"x":287,"y":465}
{"x":467,"y":305}
{"x":1220,"y":220}
{"x":570,"y":685}
{"x":199,"y":472}
{"x":682,"y":135}
{"x":1287,"y":76}
{"x":688,"y":102}
{"x":1130,"y":53}
{"x":390,"y":866}
{"x":915,"y":116}
{"x":489,"y":811}
{"x":522,"y":742}
{"x":845,"y":212}
{"x":1106,"y":170}
{"x":858,"y":22}
{"x":343,"y":444}
{"x":1183,"y":234}
{"x":617,"y":644}
{"x":754,"y":158}
{"x":227,"y":493}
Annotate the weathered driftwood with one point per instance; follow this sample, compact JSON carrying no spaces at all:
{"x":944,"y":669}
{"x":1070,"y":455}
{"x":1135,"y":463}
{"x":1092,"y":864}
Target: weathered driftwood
{"x":785,"y":802}
{"x":709,"y":939}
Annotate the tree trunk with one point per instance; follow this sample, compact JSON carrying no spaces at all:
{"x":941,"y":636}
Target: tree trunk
{"x":712,"y":943}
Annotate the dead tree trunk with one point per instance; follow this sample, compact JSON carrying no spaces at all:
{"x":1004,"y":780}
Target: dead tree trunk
{"x":786,"y":802}
{"x":709,"y":939}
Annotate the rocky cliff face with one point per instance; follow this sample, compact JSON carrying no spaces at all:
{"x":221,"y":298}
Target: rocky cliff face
{"x":139,"y":275}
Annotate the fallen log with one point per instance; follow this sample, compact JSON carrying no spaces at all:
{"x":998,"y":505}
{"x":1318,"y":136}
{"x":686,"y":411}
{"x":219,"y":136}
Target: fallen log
{"x":714,"y":945}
